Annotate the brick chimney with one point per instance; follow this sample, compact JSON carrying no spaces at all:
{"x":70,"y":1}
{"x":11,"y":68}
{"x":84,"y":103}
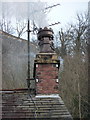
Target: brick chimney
{"x":46,"y":64}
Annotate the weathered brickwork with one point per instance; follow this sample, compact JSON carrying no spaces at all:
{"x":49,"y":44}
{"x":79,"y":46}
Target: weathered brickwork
{"x":47,"y":78}
{"x":46,"y":64}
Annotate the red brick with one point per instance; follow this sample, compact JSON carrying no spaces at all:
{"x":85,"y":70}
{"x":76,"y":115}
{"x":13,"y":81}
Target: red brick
{"x":47,"y":75}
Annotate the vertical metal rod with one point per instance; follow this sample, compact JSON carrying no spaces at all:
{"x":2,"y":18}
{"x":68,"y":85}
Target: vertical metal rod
{"x":28,"y":33}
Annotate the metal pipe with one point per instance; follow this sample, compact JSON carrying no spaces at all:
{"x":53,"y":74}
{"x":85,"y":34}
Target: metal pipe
{"x":28,"y":33}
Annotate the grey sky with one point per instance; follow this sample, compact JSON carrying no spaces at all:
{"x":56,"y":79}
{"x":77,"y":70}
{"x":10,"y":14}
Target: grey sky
{"x":65,"y":13}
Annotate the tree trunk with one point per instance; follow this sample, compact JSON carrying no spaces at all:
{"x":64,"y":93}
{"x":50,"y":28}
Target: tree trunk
{"x":89,"y":77}
{"x":79,"y":95}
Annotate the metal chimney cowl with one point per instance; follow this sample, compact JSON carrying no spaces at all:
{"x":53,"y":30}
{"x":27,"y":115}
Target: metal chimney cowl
{"x":45,"y":38}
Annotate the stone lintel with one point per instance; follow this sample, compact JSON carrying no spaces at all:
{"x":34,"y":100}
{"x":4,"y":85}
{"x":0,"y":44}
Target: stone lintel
{"x":46,"y":58}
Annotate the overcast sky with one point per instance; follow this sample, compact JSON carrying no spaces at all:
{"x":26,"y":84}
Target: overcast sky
{"x":45,"y":0}
{"x":65,"y":13}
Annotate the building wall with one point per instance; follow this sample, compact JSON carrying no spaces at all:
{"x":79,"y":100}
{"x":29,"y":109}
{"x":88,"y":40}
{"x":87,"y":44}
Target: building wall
{"x":0,"y":62}
{"x":15,"y":61}
{"x":46,"y":78}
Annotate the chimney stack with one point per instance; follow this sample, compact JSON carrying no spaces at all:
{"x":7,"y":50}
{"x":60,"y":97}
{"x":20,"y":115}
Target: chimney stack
{"x":46,"y":64}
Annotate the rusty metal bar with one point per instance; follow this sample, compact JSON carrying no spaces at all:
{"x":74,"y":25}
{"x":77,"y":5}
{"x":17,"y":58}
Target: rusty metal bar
{"x":18,"y":89}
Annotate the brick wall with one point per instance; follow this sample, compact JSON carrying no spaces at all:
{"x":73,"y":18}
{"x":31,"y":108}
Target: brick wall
{"x":47,"y":78}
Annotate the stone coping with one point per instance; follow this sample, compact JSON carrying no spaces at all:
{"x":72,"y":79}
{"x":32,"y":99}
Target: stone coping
{"x":47,"y":96}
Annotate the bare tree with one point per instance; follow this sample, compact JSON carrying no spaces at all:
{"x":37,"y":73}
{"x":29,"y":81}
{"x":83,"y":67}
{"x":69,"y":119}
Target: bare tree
{"x":33,"y":10}
{"x":88,"y":49}
{"x":20,"y":28}
{"x":79,"y":32}
{"x":73,"y":44}
{"x":6,"y":25}
{"x":74,"y":39}
{"x":5,"y":22}
{"x":65,"y":41}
